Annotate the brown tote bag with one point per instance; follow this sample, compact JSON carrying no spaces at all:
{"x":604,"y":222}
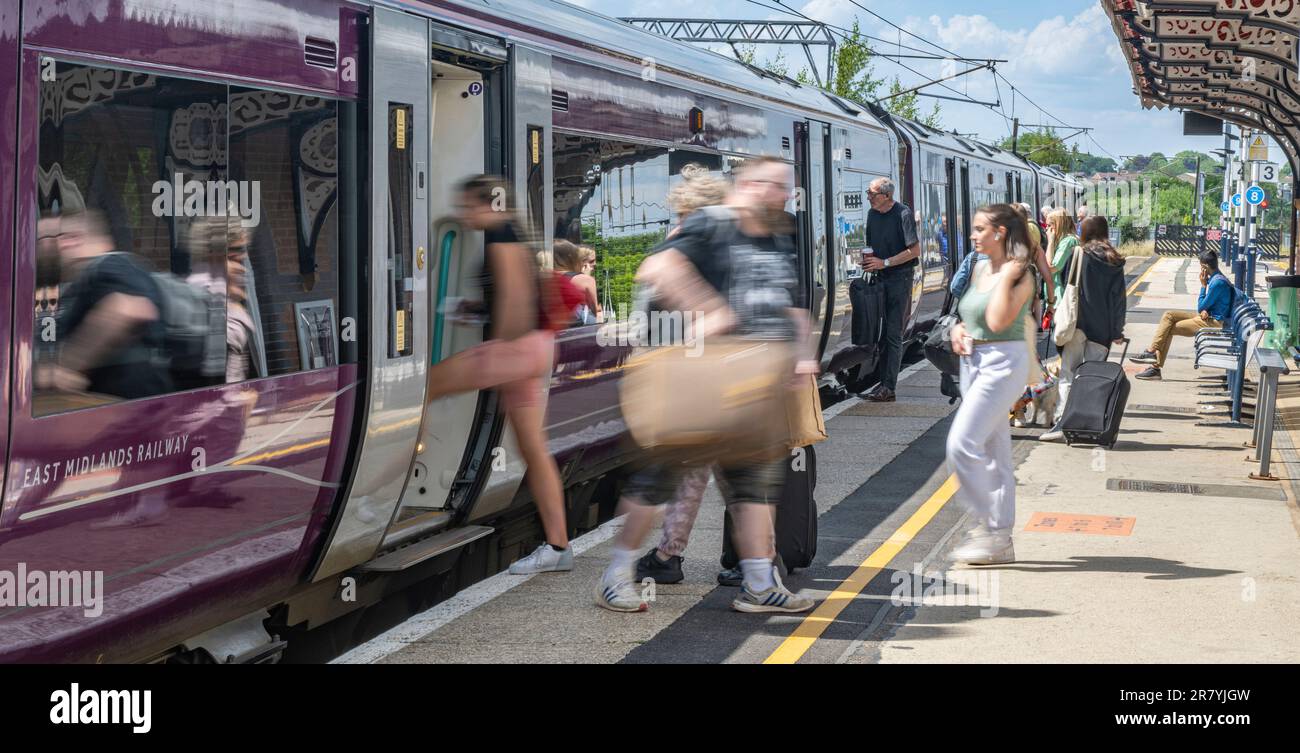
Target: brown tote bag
{"x":727,"y":402}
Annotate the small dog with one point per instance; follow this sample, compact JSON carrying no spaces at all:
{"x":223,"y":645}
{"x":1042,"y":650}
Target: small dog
{"x":1041,"y":397}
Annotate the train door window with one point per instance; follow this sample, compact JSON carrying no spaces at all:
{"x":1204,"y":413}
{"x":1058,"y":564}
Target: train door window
{"x":933,"y":232}
{"x":401,"y":252}
{"x":611,"y":196}
{"x":535,"y":183}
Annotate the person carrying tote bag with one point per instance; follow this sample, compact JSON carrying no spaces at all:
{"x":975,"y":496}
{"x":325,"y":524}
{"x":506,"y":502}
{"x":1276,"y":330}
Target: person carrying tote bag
{"x":730,"y":267}
{"x":1067,"y":316}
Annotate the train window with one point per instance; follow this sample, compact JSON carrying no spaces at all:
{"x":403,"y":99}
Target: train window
{"x":186,"y":236}
{"x":611,"y":195}
{"x":287,"y":145}
{"x":132,"y":192}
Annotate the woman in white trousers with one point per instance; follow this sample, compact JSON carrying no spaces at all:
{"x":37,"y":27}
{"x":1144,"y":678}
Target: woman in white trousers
{"x":995,"y":365}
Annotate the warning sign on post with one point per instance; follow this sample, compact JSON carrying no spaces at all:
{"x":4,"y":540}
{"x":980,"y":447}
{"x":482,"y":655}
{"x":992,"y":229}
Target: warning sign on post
{"x":1258,"y":149}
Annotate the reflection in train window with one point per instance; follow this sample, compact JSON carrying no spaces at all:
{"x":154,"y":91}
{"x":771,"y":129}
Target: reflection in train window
{"x":611,"y":195}
{"x":287,"y":144}
{"x":933,"y":232}
{"x":187,"y":233}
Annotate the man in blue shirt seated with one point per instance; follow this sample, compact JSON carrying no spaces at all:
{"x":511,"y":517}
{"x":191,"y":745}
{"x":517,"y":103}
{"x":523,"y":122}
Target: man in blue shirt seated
{"x":1213,"y":307}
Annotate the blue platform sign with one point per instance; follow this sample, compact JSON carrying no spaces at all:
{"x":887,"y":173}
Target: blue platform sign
{"x":1236,"y":200}
{"x":1254,"y":196}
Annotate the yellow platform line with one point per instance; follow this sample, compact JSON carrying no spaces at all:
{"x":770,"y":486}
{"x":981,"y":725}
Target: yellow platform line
{"x":1142,"y":277}
{"x":812,"y":627}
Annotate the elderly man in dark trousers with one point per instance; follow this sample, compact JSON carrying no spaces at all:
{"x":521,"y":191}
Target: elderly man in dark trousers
{"x":891,"y":234}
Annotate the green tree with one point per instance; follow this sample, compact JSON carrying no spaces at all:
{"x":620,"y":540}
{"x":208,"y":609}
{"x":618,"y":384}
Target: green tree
{"x":1041,"y":146}
{"x":851,"y":77}
{"x":908,"y":105}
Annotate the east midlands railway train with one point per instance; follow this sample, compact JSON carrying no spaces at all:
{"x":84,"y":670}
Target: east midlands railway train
{"x":228,"y":511}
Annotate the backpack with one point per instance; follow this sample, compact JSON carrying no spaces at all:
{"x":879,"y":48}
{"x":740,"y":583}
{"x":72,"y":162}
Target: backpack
{"x":557,"y":300}
{"x":194,"y":323}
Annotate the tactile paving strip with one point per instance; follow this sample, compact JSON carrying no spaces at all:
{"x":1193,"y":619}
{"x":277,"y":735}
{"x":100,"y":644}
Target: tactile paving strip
{"x":1204,"y":490}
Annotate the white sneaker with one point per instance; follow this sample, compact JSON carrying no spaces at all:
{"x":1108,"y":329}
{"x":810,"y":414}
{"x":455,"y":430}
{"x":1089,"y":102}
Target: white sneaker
{"x":622,"y":596}
{"x":1051,"y":435}
{"x":544,"y":559}
{"x":985,"y":547}
{"x":778,"y":598}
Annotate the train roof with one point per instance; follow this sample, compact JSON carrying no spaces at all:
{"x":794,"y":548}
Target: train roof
{"x":960,"y":144}
{"x":587,"y":28}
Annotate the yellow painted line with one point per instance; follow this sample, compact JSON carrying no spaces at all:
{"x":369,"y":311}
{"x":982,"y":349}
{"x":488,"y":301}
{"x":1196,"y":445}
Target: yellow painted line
{"x":1142,"y":277}
{"x":821,"y":618}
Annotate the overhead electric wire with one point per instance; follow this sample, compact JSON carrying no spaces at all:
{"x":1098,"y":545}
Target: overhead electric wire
{"x":1000,"y":110}
{"x":844,"y":34}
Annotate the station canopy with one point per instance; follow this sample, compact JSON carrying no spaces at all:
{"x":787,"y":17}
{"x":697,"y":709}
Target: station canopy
{"x":1230,"y":59}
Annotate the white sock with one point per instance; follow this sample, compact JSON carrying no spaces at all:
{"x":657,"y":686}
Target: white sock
{"x":622,"y":564}
{"x":758,"y":574}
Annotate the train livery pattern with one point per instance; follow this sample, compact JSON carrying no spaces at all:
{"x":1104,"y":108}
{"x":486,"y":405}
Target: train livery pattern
{"x":319,"y":482}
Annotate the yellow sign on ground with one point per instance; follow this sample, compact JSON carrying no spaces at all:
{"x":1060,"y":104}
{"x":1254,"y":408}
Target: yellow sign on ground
{"x":1064,"y":522}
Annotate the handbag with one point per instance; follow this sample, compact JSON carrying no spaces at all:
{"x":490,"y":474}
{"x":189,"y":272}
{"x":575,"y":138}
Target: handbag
{"x":938,"y":346}
{"x":724,"y":403}
{"x":1067,"y":315}
{"x":804,"y":410}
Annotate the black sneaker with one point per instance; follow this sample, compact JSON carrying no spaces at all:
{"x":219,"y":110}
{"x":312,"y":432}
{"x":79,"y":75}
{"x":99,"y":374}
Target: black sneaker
{"x":1151,"y":372}
{"x":1146,"y":356}
{"x":650,"y":566}
{"x":733,"y":577}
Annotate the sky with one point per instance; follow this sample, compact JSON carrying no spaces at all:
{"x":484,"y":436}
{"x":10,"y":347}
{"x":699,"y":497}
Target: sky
{"x":1062,"y":54}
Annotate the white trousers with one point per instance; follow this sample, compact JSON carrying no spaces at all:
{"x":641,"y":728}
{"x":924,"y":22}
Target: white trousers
{"x":979,"y":443}
{"x":1073,"y":354}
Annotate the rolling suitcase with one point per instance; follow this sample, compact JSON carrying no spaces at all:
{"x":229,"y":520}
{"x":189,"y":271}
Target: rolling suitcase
{"x":1096,"y":405}
{"x":796,"y":518}
{"x":867,"y":327}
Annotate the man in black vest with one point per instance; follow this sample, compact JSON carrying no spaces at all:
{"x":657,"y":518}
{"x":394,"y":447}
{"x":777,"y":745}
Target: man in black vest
{"x":891,"y":234}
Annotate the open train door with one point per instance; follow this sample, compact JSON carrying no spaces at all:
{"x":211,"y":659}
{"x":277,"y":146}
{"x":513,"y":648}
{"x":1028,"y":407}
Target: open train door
{"x":8,"y":167}
{"x":397,"y":349}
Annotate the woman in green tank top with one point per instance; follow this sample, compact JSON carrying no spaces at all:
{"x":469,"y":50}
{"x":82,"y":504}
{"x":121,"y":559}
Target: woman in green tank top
{"x":994,"y":365}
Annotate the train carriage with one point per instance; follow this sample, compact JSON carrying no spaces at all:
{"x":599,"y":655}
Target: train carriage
{"x":310,"y":480}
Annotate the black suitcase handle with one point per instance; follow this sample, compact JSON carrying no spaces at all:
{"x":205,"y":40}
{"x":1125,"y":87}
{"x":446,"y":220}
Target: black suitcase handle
{"x":1122,"y":356}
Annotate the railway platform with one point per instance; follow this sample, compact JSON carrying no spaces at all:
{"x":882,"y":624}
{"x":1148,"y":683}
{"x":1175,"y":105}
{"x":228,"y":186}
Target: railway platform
{"x":1158,"y":550}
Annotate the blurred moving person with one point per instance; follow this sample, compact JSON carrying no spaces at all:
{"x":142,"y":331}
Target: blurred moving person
{"x":995,"y":360}
{"x":733,"y":266}
{"x":110,"y":332}
{"x":698,"y":188}
{"x":514,"y":359}
{"x":1102,"y":309}
{"x":1213,"y":307}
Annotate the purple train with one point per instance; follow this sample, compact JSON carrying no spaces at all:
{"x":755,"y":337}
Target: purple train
{"x":307,"y":482}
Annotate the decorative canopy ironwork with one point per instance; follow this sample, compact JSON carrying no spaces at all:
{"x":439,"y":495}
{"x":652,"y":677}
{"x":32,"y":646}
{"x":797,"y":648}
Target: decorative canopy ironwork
{"x":1231,"y":59}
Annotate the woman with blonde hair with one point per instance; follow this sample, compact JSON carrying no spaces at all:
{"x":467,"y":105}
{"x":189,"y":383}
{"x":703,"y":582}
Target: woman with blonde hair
{"x":567,"y":259}
{"x":1061,"y":242}
{"x":995,"y":359}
